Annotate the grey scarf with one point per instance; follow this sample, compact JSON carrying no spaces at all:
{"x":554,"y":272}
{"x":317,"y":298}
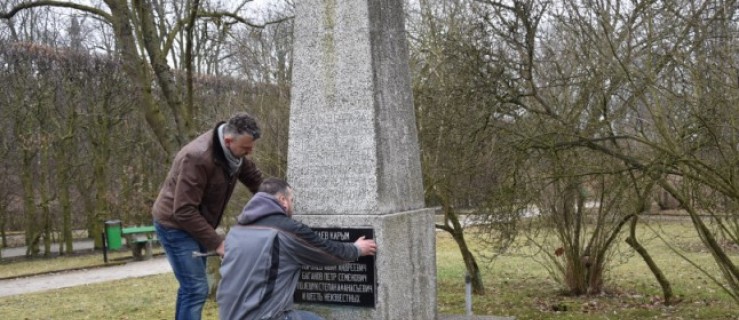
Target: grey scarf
{"x":233,"y":162}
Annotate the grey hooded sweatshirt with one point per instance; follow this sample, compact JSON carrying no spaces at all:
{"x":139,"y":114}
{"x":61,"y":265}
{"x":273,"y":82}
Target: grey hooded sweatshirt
{"x":264,"y":254}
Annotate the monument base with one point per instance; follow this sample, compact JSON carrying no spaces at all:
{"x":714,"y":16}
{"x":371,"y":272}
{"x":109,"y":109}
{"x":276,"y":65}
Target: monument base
{"x":405,"y":265}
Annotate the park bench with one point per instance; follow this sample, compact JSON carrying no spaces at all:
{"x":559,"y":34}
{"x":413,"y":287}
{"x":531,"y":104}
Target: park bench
{"x":139,"y":238}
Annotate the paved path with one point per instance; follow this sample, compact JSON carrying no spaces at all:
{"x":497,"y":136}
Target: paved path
{"x":66,"y":279}
{"x":79,"y":245}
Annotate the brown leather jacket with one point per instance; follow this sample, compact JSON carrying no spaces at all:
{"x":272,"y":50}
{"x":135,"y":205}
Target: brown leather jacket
{"x":198,"y":187}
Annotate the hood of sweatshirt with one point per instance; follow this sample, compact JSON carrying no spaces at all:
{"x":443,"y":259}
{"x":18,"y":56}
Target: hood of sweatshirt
{"x":261,"y":205}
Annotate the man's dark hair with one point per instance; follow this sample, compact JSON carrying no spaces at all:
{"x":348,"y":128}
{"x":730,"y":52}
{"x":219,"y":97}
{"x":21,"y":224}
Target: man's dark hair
{"x":274,"y":186}
{"x":242,"y":123}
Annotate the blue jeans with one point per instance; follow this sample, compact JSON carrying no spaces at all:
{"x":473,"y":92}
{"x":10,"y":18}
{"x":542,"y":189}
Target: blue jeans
{"x":189,"y":271}
{"x":301,"y":315}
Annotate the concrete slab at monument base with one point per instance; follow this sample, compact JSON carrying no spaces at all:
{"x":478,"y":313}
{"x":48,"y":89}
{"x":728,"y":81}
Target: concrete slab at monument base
{"x":405,"y":265}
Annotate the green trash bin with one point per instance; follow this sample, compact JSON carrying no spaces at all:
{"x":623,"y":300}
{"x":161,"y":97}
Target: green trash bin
{"x":113,"y":234}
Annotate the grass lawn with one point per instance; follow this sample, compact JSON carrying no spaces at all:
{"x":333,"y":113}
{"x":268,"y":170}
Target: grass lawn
{"x":516,"y":286}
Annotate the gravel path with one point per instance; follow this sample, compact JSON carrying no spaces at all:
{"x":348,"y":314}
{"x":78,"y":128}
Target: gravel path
{"x":79,"y":245}
{"x":66,"y":279}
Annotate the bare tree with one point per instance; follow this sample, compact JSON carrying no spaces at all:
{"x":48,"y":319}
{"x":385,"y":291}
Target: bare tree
{"x":143,"y":40}
{"x":629,"y":81}
{"x":459,"y":171}
{"x":145,"y":34}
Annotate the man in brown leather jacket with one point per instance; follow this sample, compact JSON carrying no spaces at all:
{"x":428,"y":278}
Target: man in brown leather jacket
{"x":193,"y":197}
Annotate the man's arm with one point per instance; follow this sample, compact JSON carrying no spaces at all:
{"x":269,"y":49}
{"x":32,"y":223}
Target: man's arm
{"x":188,"y":195}
{"x":306,"y":247}
{"x":367,"y":247}
{"x":250,"y":175}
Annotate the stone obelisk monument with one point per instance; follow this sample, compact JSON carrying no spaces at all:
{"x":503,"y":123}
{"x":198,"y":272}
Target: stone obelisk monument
{"x":354,"y":160}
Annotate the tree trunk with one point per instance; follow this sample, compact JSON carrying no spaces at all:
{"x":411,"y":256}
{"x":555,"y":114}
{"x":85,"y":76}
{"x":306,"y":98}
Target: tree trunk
{"x":163,"y":74}
{"x":3,"y":236}
{"x":45,"y":198}
{"x":728,"y":268}
{"x":29,"y":204}
{"x":101,"y":204}
{"x":470,"y":264}
{"x":47,"y":229}
{"x":457,"y":232}
{"x":89,"y":207}
{"x":575,"y":273}
{"x":66,"y":203}
{"x":656,"y":271}
{"x":65,"y":158}
{"x":3,"y":217}
{"x":135,"y":68}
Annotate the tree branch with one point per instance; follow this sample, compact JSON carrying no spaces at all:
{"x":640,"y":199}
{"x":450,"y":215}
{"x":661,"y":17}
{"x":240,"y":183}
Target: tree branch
{"x":51,"y":3}
{"x":189,"y":105}
{"x":215,"y":14}
{"x":220,"y":14}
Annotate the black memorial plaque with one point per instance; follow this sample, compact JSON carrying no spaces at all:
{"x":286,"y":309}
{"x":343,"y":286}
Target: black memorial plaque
{"x":351,"y":284}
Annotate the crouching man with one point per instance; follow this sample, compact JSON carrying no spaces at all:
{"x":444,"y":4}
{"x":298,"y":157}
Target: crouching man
{"x":265,"y":252}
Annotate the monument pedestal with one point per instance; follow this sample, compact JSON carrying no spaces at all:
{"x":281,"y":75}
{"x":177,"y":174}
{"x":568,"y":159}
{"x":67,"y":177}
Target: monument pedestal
{"x":354,"y":159}
{"x":405,"y":265}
